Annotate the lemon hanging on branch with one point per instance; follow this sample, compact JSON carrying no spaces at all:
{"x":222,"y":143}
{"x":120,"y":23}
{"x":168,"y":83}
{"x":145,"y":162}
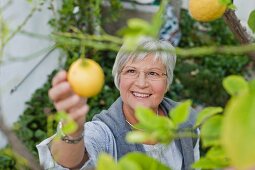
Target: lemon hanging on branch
{"x":206,"y":10}
{"x":86,"y":77}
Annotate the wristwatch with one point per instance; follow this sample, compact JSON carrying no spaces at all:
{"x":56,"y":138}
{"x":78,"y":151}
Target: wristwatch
{"x":66,"y":138}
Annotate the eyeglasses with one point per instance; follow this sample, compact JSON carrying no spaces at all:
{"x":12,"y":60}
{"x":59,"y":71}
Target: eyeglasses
{"x":133,"y":73}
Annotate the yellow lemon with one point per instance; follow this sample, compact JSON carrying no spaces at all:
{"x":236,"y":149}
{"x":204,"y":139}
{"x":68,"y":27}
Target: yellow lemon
{"x":206,"y":10}
{"x":86,"y":77}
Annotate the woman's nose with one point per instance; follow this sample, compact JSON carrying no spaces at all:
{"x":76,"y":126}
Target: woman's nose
{"x":141,"y":81}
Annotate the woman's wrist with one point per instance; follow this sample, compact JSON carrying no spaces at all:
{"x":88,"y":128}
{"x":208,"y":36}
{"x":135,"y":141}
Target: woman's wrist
{"x":73,"y":138}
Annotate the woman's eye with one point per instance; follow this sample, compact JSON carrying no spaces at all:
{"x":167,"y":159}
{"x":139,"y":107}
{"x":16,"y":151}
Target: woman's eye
{"x":130,"y":71}
{"x":152,"y":73}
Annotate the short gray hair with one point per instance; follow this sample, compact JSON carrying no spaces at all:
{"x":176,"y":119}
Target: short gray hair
{"x":161,"y":49}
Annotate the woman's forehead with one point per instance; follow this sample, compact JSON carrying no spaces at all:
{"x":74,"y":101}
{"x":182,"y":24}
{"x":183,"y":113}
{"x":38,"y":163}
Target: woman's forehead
{"x":149,"y":58}
{"x":147,"y":62}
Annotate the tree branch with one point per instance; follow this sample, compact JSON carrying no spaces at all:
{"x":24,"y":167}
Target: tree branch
{"x":239,"y":31}
{"x":17,"y":145}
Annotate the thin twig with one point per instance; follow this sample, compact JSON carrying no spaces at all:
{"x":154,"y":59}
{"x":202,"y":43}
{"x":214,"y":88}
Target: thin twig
{"x":93,"y":41}
{"x":32,"y":70}
{"x":12,"y":59}
{"x":19,"y":27}
{"x":5,"y":6}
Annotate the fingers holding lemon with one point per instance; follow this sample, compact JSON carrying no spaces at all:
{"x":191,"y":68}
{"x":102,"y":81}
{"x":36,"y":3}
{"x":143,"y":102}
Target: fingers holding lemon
{"x":206,"y":10}
{"x":86,"y":77}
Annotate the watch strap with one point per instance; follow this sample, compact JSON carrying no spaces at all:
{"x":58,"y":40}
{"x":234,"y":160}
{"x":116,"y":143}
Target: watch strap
{"x":71,"y":140}
{"x":67,"y":138}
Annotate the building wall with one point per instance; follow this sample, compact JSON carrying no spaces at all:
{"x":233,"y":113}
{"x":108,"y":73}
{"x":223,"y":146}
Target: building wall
{"x":12,"y":72}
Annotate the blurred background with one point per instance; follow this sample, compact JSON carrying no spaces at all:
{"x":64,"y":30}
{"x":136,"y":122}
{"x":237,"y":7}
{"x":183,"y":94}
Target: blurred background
{"x":30,"y":57}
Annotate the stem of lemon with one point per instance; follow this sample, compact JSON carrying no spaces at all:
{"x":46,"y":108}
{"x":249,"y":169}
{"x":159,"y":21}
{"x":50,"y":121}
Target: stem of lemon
{"x":83,"y":54}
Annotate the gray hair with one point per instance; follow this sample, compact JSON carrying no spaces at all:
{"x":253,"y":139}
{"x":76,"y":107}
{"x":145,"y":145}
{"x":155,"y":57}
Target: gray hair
{"x":161,"y":49}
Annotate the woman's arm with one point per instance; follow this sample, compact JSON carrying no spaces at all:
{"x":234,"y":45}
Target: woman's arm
{"x":69,"y":155}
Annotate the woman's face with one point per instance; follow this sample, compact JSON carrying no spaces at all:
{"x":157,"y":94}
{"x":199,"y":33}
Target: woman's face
{"x":143,"y":83}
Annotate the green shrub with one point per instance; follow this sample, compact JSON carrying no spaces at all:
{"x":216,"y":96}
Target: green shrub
{"x":11,"y":161}
{"x":200,"y":78}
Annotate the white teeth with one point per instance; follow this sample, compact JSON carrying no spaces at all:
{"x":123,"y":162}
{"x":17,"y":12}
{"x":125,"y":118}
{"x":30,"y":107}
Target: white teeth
{"x":140,"y":94}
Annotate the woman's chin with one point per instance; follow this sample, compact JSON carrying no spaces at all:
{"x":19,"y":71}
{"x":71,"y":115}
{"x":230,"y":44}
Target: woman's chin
{"x":142,"y":104}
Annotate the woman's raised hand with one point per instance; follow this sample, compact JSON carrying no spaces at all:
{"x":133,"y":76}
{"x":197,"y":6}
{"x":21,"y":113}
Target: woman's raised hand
{"x":64,"y":99}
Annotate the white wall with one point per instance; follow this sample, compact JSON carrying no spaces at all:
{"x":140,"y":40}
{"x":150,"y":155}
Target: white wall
{"x":244,"y":8}
{"x":12,"y":72}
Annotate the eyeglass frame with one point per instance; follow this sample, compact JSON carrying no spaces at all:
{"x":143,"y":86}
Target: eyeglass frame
{"x":146,"y":73}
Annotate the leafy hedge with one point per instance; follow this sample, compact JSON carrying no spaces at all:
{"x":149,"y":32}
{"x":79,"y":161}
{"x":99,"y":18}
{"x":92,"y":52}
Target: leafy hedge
{"x":195,"y":78}
{"x":201,"y":78}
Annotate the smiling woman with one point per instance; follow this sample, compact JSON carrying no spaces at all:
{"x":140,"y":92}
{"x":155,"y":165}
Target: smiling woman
{"x":143,"y":78}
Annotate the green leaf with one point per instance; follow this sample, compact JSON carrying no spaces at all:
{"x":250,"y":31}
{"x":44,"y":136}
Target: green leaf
{"x":137,"y":23}
{"x":207,"y":113}
{"x":252,"y":86}
{"x":131,"y":40}
{"x":157,"y":19}
{"x":204,"y":163}
{"x":238,"y":128}
{"x":226,"y":2}
{"x":210,"y":131}
{"x":218,"y":155}
{"x":149,"y":121}
{"x":215,"y":158}
{"x":136,"y":30}
{"x":235,"y":84}
{"x":152,"y":127}
{"x":105,"y":161}
{"x":4,"y":29}
{"x":163,"y":136}
{"x":160,"y":122}
{"x":251,"y":21}
{"x":138,"y":137}
{"x":60,"y":116}
{"x":180,"y":113}
{"x":127,"y":164}
{"x":70,"y":125}
{"x":145,"y":116}
{"x":143,"y":161}
{"x":164,"y":123}
{"x":232,"y":6}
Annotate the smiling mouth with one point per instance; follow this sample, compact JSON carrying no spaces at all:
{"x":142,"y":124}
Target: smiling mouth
{"x":141,"y":95}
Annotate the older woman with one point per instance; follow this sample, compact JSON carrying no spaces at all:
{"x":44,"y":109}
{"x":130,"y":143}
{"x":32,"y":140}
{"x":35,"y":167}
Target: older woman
{"x":143,"y":79}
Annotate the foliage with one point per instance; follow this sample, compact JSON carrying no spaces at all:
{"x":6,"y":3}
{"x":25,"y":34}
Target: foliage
{"x":31,"y":127}
{"x":200,"y":78}
{"x":227,"y":135}
{"x":238,"y":124}
{"x":134,"y":161}
{"x":11,"y":161}
{"x":157,"y":128}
